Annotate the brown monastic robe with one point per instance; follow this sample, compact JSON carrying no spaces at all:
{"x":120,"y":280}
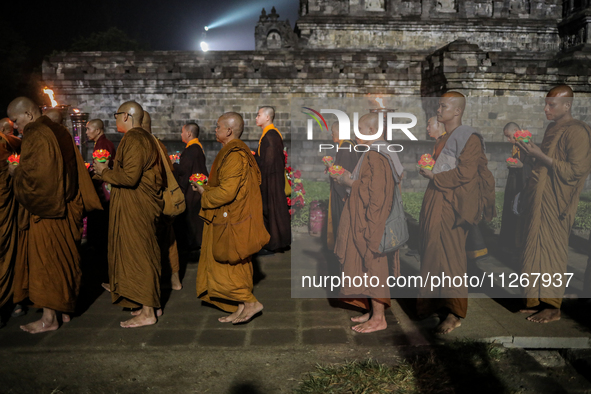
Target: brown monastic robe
{"x":361,"y":229}
{"x":338,"y":193}
{"x":231,"y":194}
{"x":53,"y":187}
{"x":551,"y":200}
{"x":8,"y":218}
{"x":453,"y":201}
{"x":271,"y":161}
{"x":192,"y":161}
{"x":136,"y":207}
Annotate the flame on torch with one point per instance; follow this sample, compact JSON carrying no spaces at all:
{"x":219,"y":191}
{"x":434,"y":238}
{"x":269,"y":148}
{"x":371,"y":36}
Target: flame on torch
{"x":49,"y":92}
{"x":76,"y":110}
{"x":379,"y":101}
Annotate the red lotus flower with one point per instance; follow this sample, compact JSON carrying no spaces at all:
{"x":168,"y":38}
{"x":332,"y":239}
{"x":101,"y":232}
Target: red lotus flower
{"x":101,"y":155}
{"x":511,"y":161}
{"x":288,"y":169}
{"x":297,"y":174}
{"x":336,"y":170}
{"x":14,"y":159}
{"x":426,"y":162}
{"x":328,"y":160}
{"x":87,"y":165}
{"x":522,"y":135}
{"x":288,"y":202}
{"x":253,"y":152}
{"x":198,"y":179}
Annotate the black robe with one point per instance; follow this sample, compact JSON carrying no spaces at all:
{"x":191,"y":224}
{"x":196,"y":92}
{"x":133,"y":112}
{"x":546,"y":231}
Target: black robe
{"x":189,"y":227}
{"x":271,"y":162}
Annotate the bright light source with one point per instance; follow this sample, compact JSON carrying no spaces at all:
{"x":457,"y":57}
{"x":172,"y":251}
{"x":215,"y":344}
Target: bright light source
{"x":206,"y":28}
{"x":204,"y":46}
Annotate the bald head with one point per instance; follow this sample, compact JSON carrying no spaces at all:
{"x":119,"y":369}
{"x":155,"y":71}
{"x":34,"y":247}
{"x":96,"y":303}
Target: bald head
{"x":23,"y":111}
{"x":435,"y":129}
{"x":147,"y":122}
{"x":559,"y":101}
{"x":369,"y":125}
{"x":265,"y":116}
{"x":450,"y":110}
{"x":129,"y":115}
{"x":230,"y":126}
{"x":94,"y":129}
{"x":192,"y":129}
{"x":6,"y":126}
{"x":55,"y":115}
{"x":561,"y":91}
{"x":457,"y":99}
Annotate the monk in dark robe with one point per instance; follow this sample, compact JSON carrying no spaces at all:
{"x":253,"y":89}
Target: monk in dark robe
{"x":232,"y":209}
{"x":347,"y":158}
{"x":9,"y":145}
{"x":166,"y":236}
{"x":362,"y":226}
{"x":55,"y":115}
{"x":551,"y":196}
{"x":460,"y":190}
{"x":192,"y":161}
{"x":54,"y":189}
{"x":516,"y":181}
{"x":98,"y":221}
{"x":271,"y":161}
{"x":135,"y":211}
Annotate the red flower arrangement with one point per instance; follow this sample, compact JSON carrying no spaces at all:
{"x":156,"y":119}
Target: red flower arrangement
{"x":336,"y":170}
{"x":14,"y":159}
{"x":522,"y":136}
{"x":101,"y":155}
{"x":511,"y":161}
{"x":87,"y":165}
{"x":198,"y":179}
{"x":296,"y":201}
{"x":426,"y":162}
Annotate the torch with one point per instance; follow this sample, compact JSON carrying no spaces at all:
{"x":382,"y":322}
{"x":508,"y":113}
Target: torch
{"x":79,"y":120}
{"x":382,"y":110}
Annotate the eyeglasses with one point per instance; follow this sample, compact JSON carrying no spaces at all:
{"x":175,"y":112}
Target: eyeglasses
{"x":118,"y":113}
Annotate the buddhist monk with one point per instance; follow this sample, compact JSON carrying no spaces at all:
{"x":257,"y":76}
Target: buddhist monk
{"x":361,"y":228}
{"x":551,"y":196}
{"x":461,"y":189}
{"x":516,"y":181}
{"x":271,"y":161}
{"x":192,"y":161}
{"x":9,"y":145}
{"x":232,"y":210}
{"x":347,"y":158}
{"x":55,"y":115}
{"x":135,"y":211}
{"x":53,"y":187}
{"x":166,"y":236}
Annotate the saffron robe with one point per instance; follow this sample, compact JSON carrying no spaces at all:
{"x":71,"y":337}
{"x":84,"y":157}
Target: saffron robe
{"x":338,"y":193}
{"x":135,"y":211}
{"x":361,"y":229}
{"x":232,"y":193}
{"x":551,"y":200}
{"x":8,"y":218}
{"x":271,"y":161}
{"x":192,"y":161}
{"x":454,"y":200}
{"x":53,"y":187}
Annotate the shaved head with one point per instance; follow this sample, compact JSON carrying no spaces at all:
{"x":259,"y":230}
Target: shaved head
{"x":559,"y":101}
{"x":435,"y":129}
{"x":22,"y":111}
{"x":55,"y":115}
{"x":135,"y":110}
{"x":451,"y":109}
{"x":193,"y":129}
{"x":6,"y":126}
{"x":147,"y":122}
{"x":561,"y":91}
{"x":234,"y":121}
{"x":269,"y":111}
{"x":265,"y":116}
{"x":368,"y":125}
{"x":457,"y":99}
{"x":96,"y":123}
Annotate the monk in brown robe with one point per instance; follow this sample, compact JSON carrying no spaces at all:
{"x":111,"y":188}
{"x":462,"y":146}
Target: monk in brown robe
{"x":51,"y":183}
{"x":55,"y":115}
{"x":563,"y":162}
{"x":98,"y":221}
{"x":135,"y":210}
{"x":460,"y":190}
{"x":192,"y":161}
{"x":232,"y":209}
{"x":347,"y":158}
{"x":362,"y":227}
{"x":9,"y":145}
{"x":271,"y":161}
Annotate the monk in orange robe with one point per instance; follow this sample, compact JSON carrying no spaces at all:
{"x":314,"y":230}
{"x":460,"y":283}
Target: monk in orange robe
{"x":137,"y":184}
{"x":551,"y":197}
{"x":54,"y":189}
{"x":460,"y":190}
{"x":362,"y":226}
{"x":232,"y":209}
{"x":9,"y":145}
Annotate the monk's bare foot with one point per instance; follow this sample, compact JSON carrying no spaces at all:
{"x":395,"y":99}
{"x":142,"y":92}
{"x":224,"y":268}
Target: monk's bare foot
{"x":250,"y":309}
{"x":545,"y":316}
{"x":175,"y":281}
{"x":450,"y":323}
{"x":66,"y":318}
{"x":233,"y":316}
{"x":139,"y":311}
{"x":529,"y":310}
{"x":145,"y":318}
{"x":48,"y":322}
{"x":375,"y":323}
{"x":361,"y":319}
{"x":106,"y":286}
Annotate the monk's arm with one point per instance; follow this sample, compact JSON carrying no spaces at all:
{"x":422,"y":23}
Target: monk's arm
{"x":466,"y":169}
{"x":578,"y":157}
{"x":375,"y":196}
{"x":127,"y":170}
{"x":230,"y":175}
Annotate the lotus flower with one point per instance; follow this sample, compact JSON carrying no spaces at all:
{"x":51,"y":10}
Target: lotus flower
{"x":14,"y":159}
{"x":328,"y":160}
{"x":87,"y":165}
{"x":336,"y":170}
{"x":426,"y":162}
{"x":101,"y":155}
{"x":511,"y":161}
{"x":198,"y":179}
{"x":522,"y":136}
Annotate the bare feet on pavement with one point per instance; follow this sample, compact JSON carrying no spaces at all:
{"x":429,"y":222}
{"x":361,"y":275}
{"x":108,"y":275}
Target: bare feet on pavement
{"x":139,"y":311}
{"x":361,"y":319}
{"x":106,"y":286}
{"x":145,"y":318}
{"x":545,"y":316}
{"x":48,"y":322}
{"x":175,"y":281}
{"x":250,"y":309}
{"x":373,"y":324}
{"x":450,"y":323}
{"x":233,"y":316}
